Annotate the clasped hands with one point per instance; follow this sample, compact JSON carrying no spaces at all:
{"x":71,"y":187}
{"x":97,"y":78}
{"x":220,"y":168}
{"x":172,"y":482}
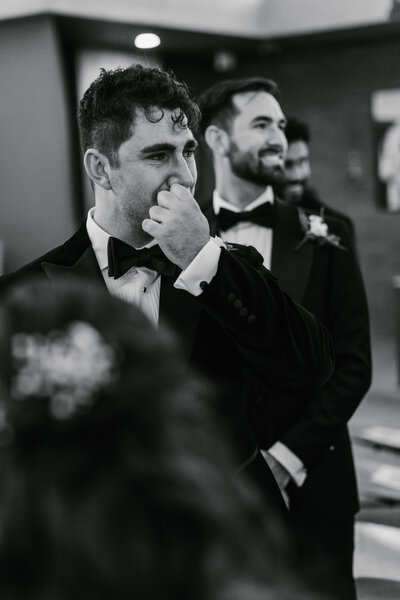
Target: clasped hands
{"x":178,"y":225}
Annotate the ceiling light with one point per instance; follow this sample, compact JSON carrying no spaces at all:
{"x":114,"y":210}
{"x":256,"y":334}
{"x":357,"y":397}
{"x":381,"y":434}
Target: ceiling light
{"x":147,"y":40}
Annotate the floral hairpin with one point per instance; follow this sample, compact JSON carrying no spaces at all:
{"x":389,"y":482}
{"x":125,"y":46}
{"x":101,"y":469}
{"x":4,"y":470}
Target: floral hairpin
{"x":316,"y":230}
{"x":68,"y":366}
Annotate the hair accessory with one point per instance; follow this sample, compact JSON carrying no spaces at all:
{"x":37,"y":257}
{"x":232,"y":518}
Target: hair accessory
{"x":67,"y":366}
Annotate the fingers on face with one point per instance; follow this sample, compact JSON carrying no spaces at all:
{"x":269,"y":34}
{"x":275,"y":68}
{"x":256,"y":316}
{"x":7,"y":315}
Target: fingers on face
{"x":183,"y":194}
{"x":150,"y":227}
{"x":166,"y":199}
{"x":179,"y":191}
{"x":157,"y":213}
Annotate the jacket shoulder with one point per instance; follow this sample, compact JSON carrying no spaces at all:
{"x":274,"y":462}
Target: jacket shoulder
{"x":65,"y":254}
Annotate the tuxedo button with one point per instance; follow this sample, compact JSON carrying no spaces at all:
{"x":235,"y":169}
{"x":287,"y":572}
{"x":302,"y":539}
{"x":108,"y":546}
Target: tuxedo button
{"x":238,"y":304}
{"x":331,"y":448}
{"x":231,"y":297}
{"x":251,"y":320}
{"x":203,"y":285}
{"x":243,"y":312}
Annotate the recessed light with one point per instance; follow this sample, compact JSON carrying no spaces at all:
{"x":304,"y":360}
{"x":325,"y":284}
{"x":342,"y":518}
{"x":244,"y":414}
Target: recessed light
{"x":147,"y":40}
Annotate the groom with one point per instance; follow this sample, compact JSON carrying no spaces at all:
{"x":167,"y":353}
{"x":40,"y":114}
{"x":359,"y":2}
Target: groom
{"x":147,"y":242}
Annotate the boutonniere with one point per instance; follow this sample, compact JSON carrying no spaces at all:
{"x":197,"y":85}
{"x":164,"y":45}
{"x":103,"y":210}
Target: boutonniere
{"x":316,"y":230}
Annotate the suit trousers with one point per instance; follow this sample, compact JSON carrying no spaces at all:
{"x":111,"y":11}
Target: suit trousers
{"x":326,"y":558}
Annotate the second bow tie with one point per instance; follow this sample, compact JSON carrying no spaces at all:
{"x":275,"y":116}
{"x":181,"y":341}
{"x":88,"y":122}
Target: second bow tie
{"x":264,"y":215}
{"x":121,"y":257}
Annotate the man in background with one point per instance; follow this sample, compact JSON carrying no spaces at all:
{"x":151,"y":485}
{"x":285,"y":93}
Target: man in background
{"x":306,"y":442}
{"x":294,"y":187}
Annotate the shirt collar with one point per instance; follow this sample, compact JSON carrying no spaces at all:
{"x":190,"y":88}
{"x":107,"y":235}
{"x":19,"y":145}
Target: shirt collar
{"x":218,"y":202}
{"x":99,"y":240}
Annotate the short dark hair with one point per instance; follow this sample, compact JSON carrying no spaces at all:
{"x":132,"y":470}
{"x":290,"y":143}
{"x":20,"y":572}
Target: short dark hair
{"x":108,"y":108}
{"x":216,"y":102}
{"x":297,"y":131}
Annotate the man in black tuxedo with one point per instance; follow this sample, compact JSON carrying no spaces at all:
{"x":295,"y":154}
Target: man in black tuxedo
{"x":294,"y":186}
{"x":305,"y":441}
{"x":235,"y":323}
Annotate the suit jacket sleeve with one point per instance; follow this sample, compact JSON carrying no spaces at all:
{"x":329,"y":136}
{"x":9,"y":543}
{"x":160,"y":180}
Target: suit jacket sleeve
{"x":346,"y":316}
{"x":281,"y":343}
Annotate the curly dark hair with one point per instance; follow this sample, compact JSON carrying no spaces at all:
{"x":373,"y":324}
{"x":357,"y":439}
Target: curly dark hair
{"x":297,"y":131}
{"x":109,"y":106}
{"x":216,"y":102}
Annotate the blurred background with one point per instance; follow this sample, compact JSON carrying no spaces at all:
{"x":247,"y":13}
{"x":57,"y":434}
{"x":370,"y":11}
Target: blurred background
{"x":337,"y":63}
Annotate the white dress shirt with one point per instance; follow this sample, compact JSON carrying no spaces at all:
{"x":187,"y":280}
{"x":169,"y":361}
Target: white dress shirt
{"x":241,"y":233}
{"x":261,"y":238}
{"x":141,"y":286}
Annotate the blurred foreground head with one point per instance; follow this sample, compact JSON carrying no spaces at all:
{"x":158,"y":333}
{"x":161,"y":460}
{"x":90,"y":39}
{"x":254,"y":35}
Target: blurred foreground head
{"x":115,"y":482}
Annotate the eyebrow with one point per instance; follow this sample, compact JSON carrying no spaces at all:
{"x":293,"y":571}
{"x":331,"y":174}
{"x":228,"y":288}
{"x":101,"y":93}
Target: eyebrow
{"x":168,"y":147}
{"x":265,"y":118}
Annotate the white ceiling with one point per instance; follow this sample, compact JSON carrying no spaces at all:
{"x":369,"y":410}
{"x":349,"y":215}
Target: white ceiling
{"x":248,"y":18}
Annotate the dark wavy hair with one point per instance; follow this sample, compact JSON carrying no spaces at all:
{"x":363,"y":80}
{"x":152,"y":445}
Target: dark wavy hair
{"x":135,"y":497}
{"x":108,"y":108}
{"x":216,"y":102}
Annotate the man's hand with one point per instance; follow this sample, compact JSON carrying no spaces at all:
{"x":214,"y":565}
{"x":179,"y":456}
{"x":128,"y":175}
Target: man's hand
{"x":282,"y":476}
{"x":178,"y":225}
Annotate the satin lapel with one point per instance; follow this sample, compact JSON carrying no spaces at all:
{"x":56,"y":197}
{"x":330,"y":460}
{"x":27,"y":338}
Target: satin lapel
{"x":181,"y":311}
{"x":292,"y":267}
{"x":86,"y":267}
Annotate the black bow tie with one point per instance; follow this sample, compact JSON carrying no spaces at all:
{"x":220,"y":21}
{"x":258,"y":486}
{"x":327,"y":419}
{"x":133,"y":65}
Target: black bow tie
{"x":264,"y":215}
{"x":121,"y":257}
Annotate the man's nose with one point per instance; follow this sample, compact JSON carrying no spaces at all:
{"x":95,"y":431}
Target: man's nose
{"x":275,"y":135}
{"x":295,"y":171}
{"x":298,"y":171}
{"x":182,"y":173}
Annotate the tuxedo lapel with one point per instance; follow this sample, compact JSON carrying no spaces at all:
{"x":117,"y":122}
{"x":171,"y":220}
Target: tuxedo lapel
{"x":181,"y":311}
{"x":177,"y":307}
{"x":85,"y":267}
{"x":292,"y":267}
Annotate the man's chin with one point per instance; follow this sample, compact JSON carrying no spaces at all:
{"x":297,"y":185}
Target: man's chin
{"x":292,"y":193}
{"x":272,"y":176}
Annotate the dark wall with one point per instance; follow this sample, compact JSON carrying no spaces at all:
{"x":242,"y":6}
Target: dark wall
{"x":37,"y":201}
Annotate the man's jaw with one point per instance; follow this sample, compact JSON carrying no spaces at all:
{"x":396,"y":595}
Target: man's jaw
{"x":293,"y":191}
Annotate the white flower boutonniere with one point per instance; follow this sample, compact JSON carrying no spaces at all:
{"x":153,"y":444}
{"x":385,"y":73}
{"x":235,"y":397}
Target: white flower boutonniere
{"x":316,"y":230}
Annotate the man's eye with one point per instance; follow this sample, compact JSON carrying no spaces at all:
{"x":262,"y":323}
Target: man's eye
{"x":157,"y":156}
{"x":189,"y":153}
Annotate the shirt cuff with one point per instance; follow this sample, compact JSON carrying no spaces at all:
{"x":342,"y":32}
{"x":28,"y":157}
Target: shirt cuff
{"x":290,"y":461}
{"x":202,"y":268}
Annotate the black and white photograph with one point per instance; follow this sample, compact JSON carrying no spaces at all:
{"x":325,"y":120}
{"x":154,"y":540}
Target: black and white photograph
{"x":200,"y":300}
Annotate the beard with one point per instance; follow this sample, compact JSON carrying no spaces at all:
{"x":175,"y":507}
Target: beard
{"x":292,"y":191}
{"x":251,"y":167}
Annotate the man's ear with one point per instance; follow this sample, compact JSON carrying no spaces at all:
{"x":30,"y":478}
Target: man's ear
{"x":217,"y":139}
{"x":97,"y":167}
